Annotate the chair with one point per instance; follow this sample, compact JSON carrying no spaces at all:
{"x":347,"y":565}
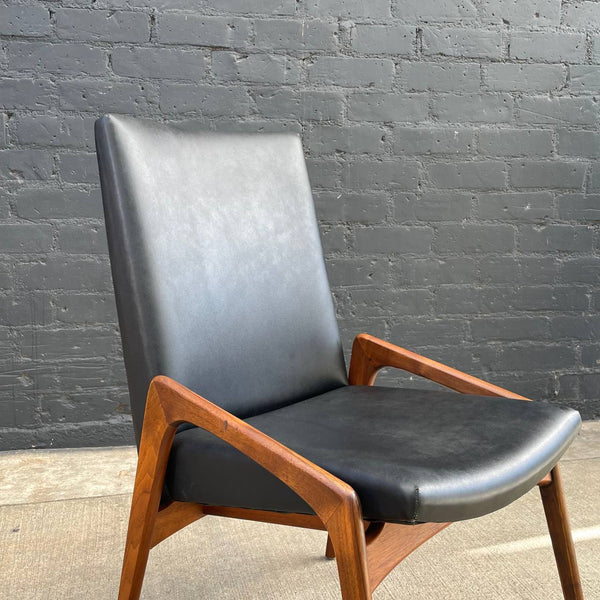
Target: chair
{"x":241,"y":402}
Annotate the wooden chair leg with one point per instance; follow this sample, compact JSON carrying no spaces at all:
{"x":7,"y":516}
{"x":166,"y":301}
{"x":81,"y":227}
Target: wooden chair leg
{"x":553,"y":498}
{"x":329,"y":551}
{"x":157,"y":437}
{"x":347,"y":534}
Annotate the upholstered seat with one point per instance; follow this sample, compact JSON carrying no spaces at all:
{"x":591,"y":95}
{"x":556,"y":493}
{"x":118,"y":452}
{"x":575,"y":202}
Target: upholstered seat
{"x":411,"y":455}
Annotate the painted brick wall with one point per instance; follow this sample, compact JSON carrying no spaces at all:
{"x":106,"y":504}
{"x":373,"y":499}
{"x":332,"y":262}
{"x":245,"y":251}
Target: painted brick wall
{"x":453,"y":150}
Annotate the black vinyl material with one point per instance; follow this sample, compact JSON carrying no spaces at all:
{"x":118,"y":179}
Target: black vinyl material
{"x":411,"y":455}
{"x":217,"y":265}
{"x":220,"y":284}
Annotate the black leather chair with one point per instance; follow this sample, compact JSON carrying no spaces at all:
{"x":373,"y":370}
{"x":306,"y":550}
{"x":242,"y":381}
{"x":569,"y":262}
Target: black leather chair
{"x":241,"y":402}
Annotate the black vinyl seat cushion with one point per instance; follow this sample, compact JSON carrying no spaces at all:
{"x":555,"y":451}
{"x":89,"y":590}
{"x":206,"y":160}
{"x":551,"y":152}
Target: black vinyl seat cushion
{"x":411,"y":455}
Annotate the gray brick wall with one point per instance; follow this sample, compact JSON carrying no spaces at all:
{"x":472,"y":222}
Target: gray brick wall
{"x":453,"y":150}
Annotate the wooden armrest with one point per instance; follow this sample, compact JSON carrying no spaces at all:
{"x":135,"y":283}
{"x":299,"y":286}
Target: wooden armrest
{"x":177,"y":404}
{"x":370,"y":354}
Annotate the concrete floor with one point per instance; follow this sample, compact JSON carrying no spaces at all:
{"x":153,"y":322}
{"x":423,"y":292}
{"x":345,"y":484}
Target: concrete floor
{"x":63,"y":517}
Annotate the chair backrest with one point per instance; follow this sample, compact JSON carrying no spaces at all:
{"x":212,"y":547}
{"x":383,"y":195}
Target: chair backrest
{"x":217,"y":265}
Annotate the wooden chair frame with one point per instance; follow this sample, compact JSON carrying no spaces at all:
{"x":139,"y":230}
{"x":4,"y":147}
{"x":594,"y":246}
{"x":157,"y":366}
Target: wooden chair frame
{"x":365,"y":552}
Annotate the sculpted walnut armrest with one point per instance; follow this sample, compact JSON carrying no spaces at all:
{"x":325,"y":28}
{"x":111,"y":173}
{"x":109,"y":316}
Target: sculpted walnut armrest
{"x":169,"y":404}
{"x":370,"y":355}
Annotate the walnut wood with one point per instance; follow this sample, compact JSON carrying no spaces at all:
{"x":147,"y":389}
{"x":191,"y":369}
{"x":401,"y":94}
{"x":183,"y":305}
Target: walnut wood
{"x":168,"y":405}
{"x":291,"y":519}
{"x":555,"y":507}
{"x":392,"y":543}
{"x":174,"y":517}
{"x":370,"y":355}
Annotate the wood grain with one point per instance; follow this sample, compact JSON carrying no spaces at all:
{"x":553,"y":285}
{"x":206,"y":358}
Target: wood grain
{"x":555,"y":507}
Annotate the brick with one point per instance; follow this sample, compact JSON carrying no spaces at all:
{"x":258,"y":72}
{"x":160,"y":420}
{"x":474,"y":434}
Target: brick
{"x":105,"y":96}
{"x":473,"y":108}
{"x":352,"y":72}
{"x":376,"y":9}
{"x":64,"y":273}
{"x":333,"y":238}
{"x":30,"y":21}
{"x":369,"y":207}
{"x":579,"y":207}
{"x":254,"y":68}
{"x":372,"y":302}
{"x":479,"y":175}
{"x":444,"y":77}
{"x":357,"y":271}
{"x":21,"y":238}
{"x":50,"y":203}
{"x":202,"y":30}
{"x":516,"y":206}
{"x":26,"y":164}
{"x":434,"y":11}
{"x":440,"y":140}
{"x":511,"y":329}
{"x":557,"y":110}
{"x":550,"y":174}
{"x":63,"y":344}
{"x":158,"y":63}
{"x":376,"y":107}
{"x":393,"y":240}
{"x":79,"y":168}
{"x":584,"y":78}
{"x":555,"y":238}
{"x":462,"y":42}
{"x":590,"y":356}
{"x":102,"y":25}
{"x":515,"y":12}
{"x":545,"y":298}
{"x":25,"y":93}
{"x":291,"y":104}
{"x":579,"y":143}
{"x":474,"y":238}
{"x":77,"y":59}
{"x":527,"y":357}
{"x":435,"y":270}
{"x":258,"y":126}
{"x":357,"y":139}
{"x":515,"y":142}
{"x":596,"y":49}
{"x":398,"y":40}
{"x":545,"y":46}
{"x":324,"y":173}
{"x":575,"y":327}
{"x":296,"y":35}
{"x":412,"y":333}
{"x":85,"y":308}
{"x":581,"y":14}
{"x":208,"y":100}
{"x":494,"y":270}
{"x":524,"y":78}
{"x":53,"y":130}
{"x":594,"y":185}
{"x":376,"y":175}
{"x":580,"y":270}
{"x":265,"y":7}
{"x":433,"y":206}
{"x":2,"y":130}
{"x":82,"y":239}
{"x":539,"y":269}
{"x":31,"y":308}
